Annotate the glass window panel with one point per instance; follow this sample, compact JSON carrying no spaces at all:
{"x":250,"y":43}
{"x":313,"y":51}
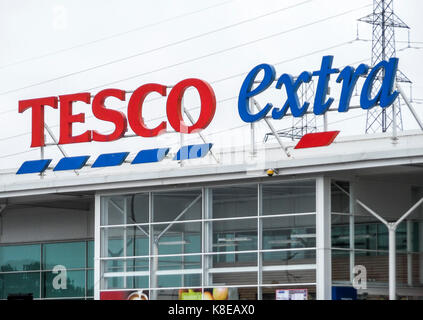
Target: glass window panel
{"x":401,"y":236}
{"x":113,"y":210}
{"x":128,"y":282}
{"x":68,"y":254}
{"x":169,"y":281}
{"x":415,"y":238}
{"x":289,"y":197}
{"x":75,"y":284}
{"x":337,"y":252}
{"x":382,"y":237}
{"x":365,"y":238}
{"x":179,"y":280}
{"x":377,"y":267}
{"x":234,"y":260}
{"x":185,"y":204}
{"x":120,"y":265}
{"x":234,"y":278}
{"x":20,"y":283}
{"x":136,"y":244}
{"x":289,"y":276}
{"x":113,"y":265}
{"x":234,"y":201}
{"x":90,"y":283}
{"x":20,"y":258}
{"x":141,"y":264}
{"x":340,"y":231}
{"x":170,"y":263}
{"x":291,"y":257}
{"x":234,"y":235}
{"x":114,"y":283}
{"x":289,"y":232}
{"x":142,"y":243}
{"x":179,"y":262}
{"x":179,"y":238}
{"x":340,"y":266}
{"x":140,"y":282}
{"x":125,"y":209}
{"x":340,"y":201}
{"x":90,"y":254}
{"x":138,"y":208}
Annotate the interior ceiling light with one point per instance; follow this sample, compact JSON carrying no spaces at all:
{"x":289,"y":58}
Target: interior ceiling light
{"x":172,"y":243}
{"x":302,"y":236}
{"x":237,"y":239}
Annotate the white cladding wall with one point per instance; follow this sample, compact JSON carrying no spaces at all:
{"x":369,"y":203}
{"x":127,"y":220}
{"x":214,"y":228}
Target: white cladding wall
{"x":45,"y":224}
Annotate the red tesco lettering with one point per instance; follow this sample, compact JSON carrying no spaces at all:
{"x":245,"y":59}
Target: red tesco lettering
{"x":135,"y":120}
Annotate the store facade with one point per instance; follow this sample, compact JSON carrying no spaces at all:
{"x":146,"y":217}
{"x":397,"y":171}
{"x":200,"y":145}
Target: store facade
{"x":294,"y":219}
{"x":191,"y":230}
{"x":238,"y":236}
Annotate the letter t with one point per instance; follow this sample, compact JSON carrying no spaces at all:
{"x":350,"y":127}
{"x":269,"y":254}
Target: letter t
{"x":320,"y":103}
{"x":37,"y":106}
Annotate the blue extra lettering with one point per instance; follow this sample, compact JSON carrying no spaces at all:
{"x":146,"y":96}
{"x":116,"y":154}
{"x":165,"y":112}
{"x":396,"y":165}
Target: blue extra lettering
{"x":385,"y":95}
{"x":349,"y":77}
{"x":246,"y":93}
{"x":292,"y":101}
{"x":320,"y":103}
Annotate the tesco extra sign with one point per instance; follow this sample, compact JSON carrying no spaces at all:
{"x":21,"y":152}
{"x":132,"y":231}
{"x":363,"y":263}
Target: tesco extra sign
{"x":384,"y":72}
{"x":119,"y":119}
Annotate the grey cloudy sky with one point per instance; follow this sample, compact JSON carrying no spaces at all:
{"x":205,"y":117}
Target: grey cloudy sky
{"x":58,"y":47}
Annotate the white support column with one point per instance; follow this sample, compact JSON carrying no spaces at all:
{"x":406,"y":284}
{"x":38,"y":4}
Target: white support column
{"x":208,"y":237}
{"x":150,"y":232}
{"x":392,"y":227}
{"x":325,"y":122}
{"x":394,"y":124}
{"x":153,"y":250}
{"x":203,"y":237}
{"x":97,"y":247}
{"x":259,"y":242}
{"x":392,"y":262}
{"x":352,"y":230}
{"x":323,"y":239}
{"x":125,"y":242}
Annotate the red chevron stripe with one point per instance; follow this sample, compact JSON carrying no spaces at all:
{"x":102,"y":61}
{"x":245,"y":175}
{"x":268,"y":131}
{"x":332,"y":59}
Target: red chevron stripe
{"x":318,"y":139}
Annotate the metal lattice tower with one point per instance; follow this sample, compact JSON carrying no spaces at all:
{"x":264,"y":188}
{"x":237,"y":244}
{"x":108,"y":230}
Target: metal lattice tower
{"x":305,"y":124}
{"x":384,"y":21}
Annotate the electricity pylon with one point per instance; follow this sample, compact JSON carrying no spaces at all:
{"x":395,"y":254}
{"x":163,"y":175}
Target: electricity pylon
{"x":384,"y":21}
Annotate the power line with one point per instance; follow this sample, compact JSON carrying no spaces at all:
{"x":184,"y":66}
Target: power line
{"x":219,"y":101}
{"x":215,"y":81}
{"x":245,"y":125}
{"x":18,"y":153}
{"x":204,"y":56}
{"x":232,"y":48}
{"x":397,"y":41}
{"x":408,"y":47}
{"x":154,"y":49}
{"x":116,"y":35}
